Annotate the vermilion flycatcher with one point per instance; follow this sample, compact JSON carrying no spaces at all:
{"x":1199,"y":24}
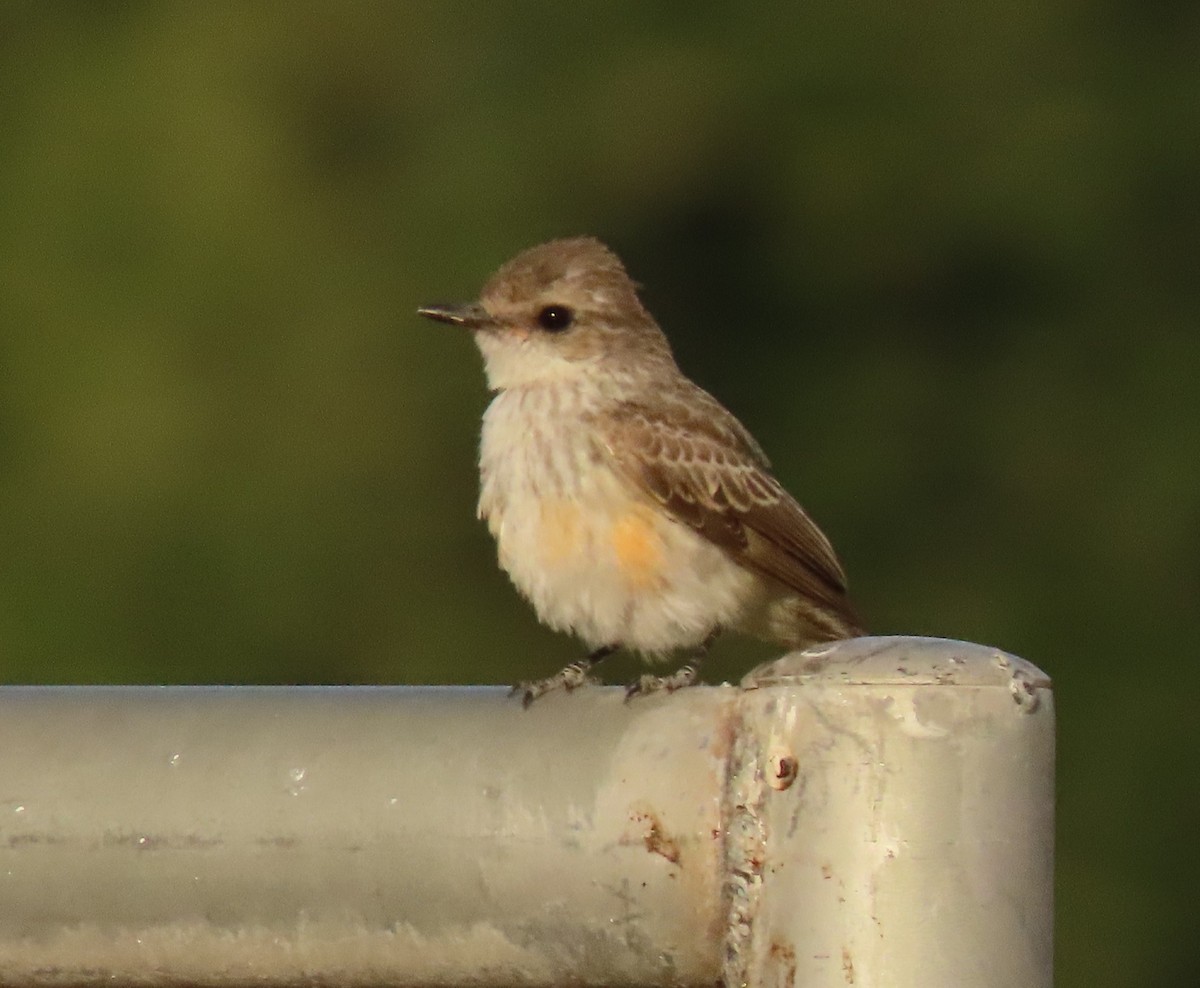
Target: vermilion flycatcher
{"x":628,"y":505}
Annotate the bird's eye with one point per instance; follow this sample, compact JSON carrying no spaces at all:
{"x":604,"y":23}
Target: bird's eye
{"x":555,"y":318}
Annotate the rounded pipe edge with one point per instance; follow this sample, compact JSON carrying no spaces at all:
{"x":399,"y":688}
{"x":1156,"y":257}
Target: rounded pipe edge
{"x":900,"y":660}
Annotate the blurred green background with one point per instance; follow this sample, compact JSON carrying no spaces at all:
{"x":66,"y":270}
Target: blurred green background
{"x":941,"y":259}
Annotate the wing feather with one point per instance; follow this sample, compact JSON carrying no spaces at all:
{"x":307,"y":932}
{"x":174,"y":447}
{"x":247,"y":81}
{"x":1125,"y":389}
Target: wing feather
{"x":697,"y":461}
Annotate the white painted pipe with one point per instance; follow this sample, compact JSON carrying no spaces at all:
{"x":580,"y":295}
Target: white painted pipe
{"x":882,"y":812}
{"x":892,"y":804}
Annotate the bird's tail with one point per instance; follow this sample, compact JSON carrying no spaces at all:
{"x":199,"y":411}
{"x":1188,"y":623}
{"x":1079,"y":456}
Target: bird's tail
{"x":808,"y":622}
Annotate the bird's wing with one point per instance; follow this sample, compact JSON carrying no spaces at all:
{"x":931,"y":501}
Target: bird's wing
{"x":696,"y":460}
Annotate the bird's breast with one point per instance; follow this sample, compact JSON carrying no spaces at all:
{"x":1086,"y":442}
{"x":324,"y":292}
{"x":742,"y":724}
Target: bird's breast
{"x":594,"y":554}
{"x":554,"y":503}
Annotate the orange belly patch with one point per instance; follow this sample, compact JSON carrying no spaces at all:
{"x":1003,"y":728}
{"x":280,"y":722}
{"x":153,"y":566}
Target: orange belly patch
{"x":639,"y":550}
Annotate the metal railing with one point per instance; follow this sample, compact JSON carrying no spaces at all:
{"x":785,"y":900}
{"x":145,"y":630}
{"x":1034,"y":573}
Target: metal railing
{"x":875,"y":813}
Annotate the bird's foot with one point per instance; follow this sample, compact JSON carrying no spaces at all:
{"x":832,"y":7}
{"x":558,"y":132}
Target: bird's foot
{"x":568,"y":678}
{"x":685,"y":675}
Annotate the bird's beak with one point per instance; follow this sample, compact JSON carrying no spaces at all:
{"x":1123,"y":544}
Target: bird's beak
{"x":472,"y":315}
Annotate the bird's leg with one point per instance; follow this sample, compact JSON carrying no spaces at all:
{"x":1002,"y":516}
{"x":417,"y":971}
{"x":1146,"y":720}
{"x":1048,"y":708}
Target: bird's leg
{"x":685,"y":675}
{"x":567,"y":678}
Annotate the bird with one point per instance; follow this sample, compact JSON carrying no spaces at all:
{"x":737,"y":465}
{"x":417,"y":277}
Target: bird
{"x":628,"y":506}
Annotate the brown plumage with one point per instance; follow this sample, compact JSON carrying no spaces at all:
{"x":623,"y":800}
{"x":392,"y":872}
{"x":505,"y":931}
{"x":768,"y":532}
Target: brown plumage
{"x":627,"y":504}
{"x":702,"y":465}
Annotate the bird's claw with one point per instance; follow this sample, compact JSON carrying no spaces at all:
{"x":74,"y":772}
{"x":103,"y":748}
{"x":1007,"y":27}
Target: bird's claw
{"x":684,"y":676}
{"x":569,"y":678}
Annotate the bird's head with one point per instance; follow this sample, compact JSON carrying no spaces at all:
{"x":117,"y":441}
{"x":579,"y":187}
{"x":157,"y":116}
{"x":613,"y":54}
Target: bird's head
{"x":556,"y":312}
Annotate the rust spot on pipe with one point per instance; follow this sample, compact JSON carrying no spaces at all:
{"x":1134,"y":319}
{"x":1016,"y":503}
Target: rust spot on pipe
{"x":654,"y":835}
{"x":783,"y":964}
{"x":847,"y":966}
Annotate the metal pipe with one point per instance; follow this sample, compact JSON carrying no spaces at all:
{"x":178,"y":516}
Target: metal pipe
{"x":433,"y":836}
{"x":892,"y":819}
